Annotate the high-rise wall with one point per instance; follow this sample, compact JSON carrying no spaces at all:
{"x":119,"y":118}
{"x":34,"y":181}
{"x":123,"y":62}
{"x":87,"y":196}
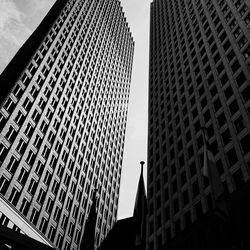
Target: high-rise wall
{"x":199,"y":76}
{"x":64,"y":101}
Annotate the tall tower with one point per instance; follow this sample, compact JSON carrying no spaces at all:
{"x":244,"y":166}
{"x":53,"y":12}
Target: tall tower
{"x":64,"y":99}
{"x":199,"y":76}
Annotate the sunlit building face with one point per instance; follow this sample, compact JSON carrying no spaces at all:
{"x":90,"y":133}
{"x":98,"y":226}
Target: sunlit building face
{"x":62,"y":120}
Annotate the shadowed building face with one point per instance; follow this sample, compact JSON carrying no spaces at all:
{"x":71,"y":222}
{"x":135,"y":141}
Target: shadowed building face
{"x":199,"y":76}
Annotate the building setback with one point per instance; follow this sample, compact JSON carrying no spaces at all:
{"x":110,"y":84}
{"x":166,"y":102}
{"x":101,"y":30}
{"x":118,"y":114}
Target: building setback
{"x":63,"y":111}
{"x":199,"y":76}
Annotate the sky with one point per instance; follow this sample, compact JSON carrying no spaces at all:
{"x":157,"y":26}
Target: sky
{"x":19,"y":18}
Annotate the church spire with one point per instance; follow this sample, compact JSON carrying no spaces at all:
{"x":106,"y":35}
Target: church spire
{"x":140,"y":213}
{"x":88,"y":239}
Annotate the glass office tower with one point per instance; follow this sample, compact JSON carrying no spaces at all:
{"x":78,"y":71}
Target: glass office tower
{"x":199,"y":76}
{"x":64,"y":102}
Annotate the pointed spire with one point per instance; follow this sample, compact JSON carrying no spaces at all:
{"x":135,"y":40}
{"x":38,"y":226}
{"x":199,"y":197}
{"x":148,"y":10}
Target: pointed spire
{"x":142,"y":163}
{"x":210,"y":171}
{"x":210,"y":168}
{"x":140,"y":213}
{"x":88,"y":238}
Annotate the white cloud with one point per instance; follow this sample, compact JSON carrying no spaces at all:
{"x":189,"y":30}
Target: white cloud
{"x":13,"y":32}
{"x":33,"y":12}
{"x":11,"y":24}
{"x":18,"y":19}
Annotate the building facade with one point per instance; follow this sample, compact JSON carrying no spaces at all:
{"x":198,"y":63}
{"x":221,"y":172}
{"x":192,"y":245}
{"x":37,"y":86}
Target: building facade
{"x":199,"y":76}
{"x":64,"y":99}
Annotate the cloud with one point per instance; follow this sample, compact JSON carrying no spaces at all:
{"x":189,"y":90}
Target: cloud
{"x":33,"y":11}
{"x":11,"y":25}
{"x":18,"y":19}
{"x":13,"y":32}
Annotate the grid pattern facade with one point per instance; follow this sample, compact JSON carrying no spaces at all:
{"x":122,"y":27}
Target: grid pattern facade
{"x":63,"y":123}
{"x":199,"y":76}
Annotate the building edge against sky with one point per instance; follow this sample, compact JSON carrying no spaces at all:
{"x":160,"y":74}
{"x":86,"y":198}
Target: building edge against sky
{"x":199,"y":76}
{"x":64,"y":99}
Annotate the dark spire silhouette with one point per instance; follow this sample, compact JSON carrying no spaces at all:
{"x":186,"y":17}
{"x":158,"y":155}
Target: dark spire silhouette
{"x":88,"y":239}
{"x":140,"y":213}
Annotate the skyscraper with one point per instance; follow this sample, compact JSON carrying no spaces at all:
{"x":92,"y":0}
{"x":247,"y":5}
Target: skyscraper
{"x":64,"y":100}
{"x":199,"y":76}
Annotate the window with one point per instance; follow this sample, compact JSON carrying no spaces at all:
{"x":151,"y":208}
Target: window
{"x":39,"y":168}
{"x":44,"y":127}
{"x":62,"y":195}
{"x":12,"y":166}
{"x":47,"y":178}
{"x":66,"y":180}
{"x":4,"y":184}
{"x":11,"y":134}
{"x":245,"y":144}
{"x":25,"y":207}
{"x":31,"y":158}
{"x":239,"y":124}
{"x":224,"y":79}
{"x":32,"y":187}
{"x":233,"y":106}
{"x":67,"y":245}
{"x":231,"y":55}
{"x":27,"y":104}
{"x":226,"y":137}
{"x":60,"y":171}
{"x":73,"y":187}
{"x":45,"y":152}
{"x":246,"y":93}
{"x":41,"y":196}
{"x":34,"y":216}
{"x":240,"y":79}
{"x":2,"y":121}
{"x":242,"y":42}
{"x":55,"y":187}
{"x":19,"y":118}
{"x":220,"y":68}
{"x":246,"y":52}
{"x":49,"y":206}
{"x":14,"y":196}
{"x":21,"y":146}
{"x":71,"y":230}
{"x":38,"y":141}
{"x":57,"y":214}
{"x":51,"y":137}
{"x":43,"y":225}
{"x":217,"y":104}
{"x":42,"y":103}
{"x":52,"y":233}
{"x":18,"y":91}
{"x":228,"y":92}
{"x":9,"y":105}
{"x":77,"y":237}
{"x":3,"y":153}
{"x":34,"y":92}
{"x":64,"y":222}
{"x":36,"y":116}
{"x":59,"y":241}
{"x":23,"y":176}
{"x":29,"y":130}
{"x":69,"y":204}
